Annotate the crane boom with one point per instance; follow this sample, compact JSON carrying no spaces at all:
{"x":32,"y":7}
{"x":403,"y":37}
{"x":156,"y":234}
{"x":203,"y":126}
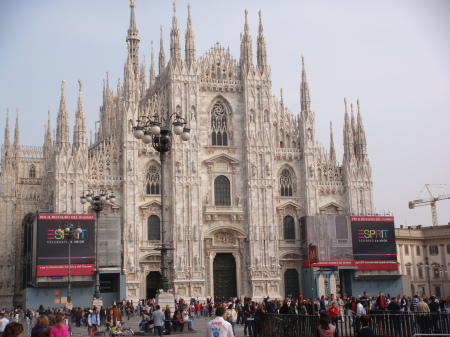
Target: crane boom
{"x":429,"y":201}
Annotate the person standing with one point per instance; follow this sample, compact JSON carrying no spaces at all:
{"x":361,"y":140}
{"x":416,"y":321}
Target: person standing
{"x":167,"y":319}
{"x":231,"y":316}
{"x":325,"y":328}
{"x":3,"y":323}
{"x":158,"y":321}
{"x":13,"y":329}
{"x":41,"y":328}
{"x":366,"y":330}
{"x":219,"y":327}
{"x":93,"y":321}
{"x":59,"y":329}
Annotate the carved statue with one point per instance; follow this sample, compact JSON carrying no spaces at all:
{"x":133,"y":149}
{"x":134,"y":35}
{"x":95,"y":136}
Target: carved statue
{"x":194,"y":167}
{"x":254,"y":168}
{"x":311,"y":170}
{"x":130,"y":164}
{"x":239,"y":200}
{"x":180,"y":232}
{"x":195,"y":233}
{"x":130,"y":233}
{"x":196,"y":262}
{"x":271,"y":232}
{"x":207,"y":199}
{"x":131,"y":263}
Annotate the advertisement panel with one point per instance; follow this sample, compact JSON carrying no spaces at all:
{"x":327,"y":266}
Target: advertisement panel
{"x":52,"y":251}
{"x":374,"y":242}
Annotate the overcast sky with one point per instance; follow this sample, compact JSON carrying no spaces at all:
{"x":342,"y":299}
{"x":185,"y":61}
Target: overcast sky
{"x":392,"y":55}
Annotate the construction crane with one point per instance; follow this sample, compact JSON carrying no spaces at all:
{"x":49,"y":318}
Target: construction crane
{"x":429,"y":201}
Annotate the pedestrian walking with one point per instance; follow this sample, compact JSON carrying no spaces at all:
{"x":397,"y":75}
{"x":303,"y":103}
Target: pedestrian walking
{"x":219,"y":327}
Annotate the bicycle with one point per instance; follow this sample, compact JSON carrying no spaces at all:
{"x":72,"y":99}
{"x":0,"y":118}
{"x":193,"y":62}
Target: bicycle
{"x":119,"y":331}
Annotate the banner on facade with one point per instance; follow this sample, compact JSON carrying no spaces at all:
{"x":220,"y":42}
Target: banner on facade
{"x":52,"y":249}
{"x":373,"y":239}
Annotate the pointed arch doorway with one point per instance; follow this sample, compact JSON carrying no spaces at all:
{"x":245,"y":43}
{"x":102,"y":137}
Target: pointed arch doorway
{"x":224,"y":273}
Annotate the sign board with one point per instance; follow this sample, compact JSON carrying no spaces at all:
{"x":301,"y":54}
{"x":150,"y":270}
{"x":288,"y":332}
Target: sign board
{"x":53,"y":249}
{"x":373,"y":239}
{"x":56,"y":293}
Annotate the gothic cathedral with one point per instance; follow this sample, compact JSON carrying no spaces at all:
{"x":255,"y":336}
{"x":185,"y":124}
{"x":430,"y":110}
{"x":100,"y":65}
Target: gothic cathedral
{"x":235,"y":193}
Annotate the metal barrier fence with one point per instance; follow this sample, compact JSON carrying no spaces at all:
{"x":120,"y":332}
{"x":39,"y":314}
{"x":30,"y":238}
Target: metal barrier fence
{"x":384,"y":324}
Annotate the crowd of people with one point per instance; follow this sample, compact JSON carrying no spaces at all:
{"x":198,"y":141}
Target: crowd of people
{"x":225,"y":313}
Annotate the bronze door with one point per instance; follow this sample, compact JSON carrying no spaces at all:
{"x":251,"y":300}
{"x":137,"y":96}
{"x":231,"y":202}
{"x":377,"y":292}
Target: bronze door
{"x":224,"y":272}
{"x":291,"y":283}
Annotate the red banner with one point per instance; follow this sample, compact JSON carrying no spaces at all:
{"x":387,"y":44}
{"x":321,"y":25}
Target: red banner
{"x":68,"y":217}
{"x":335,"y":263}
{"x":372,"y":218}
{"x":62,"y":269}
{"x":360,"y":265}
{"x":377,"y":265}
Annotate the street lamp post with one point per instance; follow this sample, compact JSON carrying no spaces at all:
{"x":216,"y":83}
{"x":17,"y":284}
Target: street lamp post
{"x":157,"y":130}
{"x":97,"y":199}
{"x":441,"y":272}
{"x":69,"y":233}
{"x":427,"y":264}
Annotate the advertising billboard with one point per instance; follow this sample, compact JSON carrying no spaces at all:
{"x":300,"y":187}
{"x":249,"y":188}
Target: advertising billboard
{"x":373,"y":240}
{"x":52,"y":248}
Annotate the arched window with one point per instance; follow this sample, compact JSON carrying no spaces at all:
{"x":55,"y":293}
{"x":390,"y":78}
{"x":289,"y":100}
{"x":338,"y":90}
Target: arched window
{"x":219,"y":135}
{"x":222,"y":191}
{"x":286,"y":183}
{"x":288,"y":228}
{"x":32,"y":172}
{"x":153,"y":228}
{"x":152,"y":180}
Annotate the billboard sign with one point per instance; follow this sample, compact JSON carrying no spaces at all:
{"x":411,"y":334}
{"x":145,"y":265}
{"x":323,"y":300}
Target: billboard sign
{"x":52,"y":251}
{"x":374,"y":245}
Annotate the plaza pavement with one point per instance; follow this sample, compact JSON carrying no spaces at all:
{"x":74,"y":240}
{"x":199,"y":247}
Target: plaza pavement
{"x":199,"y":328}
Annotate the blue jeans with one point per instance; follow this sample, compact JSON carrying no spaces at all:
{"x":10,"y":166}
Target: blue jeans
{"x":190,"y":323}
{"x":158,"y":331}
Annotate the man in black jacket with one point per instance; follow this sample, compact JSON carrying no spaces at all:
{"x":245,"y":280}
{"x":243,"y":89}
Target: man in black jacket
{"x":249,"y":311}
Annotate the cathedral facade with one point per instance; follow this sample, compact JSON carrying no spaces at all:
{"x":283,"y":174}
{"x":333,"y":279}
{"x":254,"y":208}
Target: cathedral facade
{"x":235,"y":192}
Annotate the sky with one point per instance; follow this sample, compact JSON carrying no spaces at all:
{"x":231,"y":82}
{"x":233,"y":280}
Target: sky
{"x":394,"y":56}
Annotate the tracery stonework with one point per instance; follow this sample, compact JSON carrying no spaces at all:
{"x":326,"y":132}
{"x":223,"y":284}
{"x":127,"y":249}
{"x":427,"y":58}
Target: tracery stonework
{"x":240,"y":130}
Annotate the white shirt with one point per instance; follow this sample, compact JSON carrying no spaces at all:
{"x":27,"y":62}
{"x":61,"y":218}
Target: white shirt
{"x":219,"y":327}
{"x":360,"y":310}
{"x":3,"y":323}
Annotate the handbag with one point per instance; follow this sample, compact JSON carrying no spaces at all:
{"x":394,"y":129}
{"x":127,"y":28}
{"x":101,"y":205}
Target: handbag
{"x":181,"y":321}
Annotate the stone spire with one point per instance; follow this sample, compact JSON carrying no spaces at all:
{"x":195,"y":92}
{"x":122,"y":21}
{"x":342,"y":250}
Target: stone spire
{"x":62,"y":126}
{"x":361,"y":146}
{"x":48,"y":139}
{"x":246,"y":59}
{"x":152,"y":68}
{"x":133,"y":40}
{"x":7,"y":143}
{"x":175,"y":49}
{"x":261,"y":53}
{"x":305,"y":100}
{"x":17,"y":131}
{"x":332,"y":149}
{"x":190,"y":41}
{"x":349,"y":149}
{"x":162,"y":56}
{"x":79,"y":132}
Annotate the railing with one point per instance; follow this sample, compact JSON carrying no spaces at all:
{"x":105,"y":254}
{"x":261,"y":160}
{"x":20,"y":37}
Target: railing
{"x":384,"y":325}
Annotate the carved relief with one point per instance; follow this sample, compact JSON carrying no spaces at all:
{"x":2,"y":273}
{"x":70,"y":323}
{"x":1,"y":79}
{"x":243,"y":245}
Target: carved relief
{"x":224,"y":238}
